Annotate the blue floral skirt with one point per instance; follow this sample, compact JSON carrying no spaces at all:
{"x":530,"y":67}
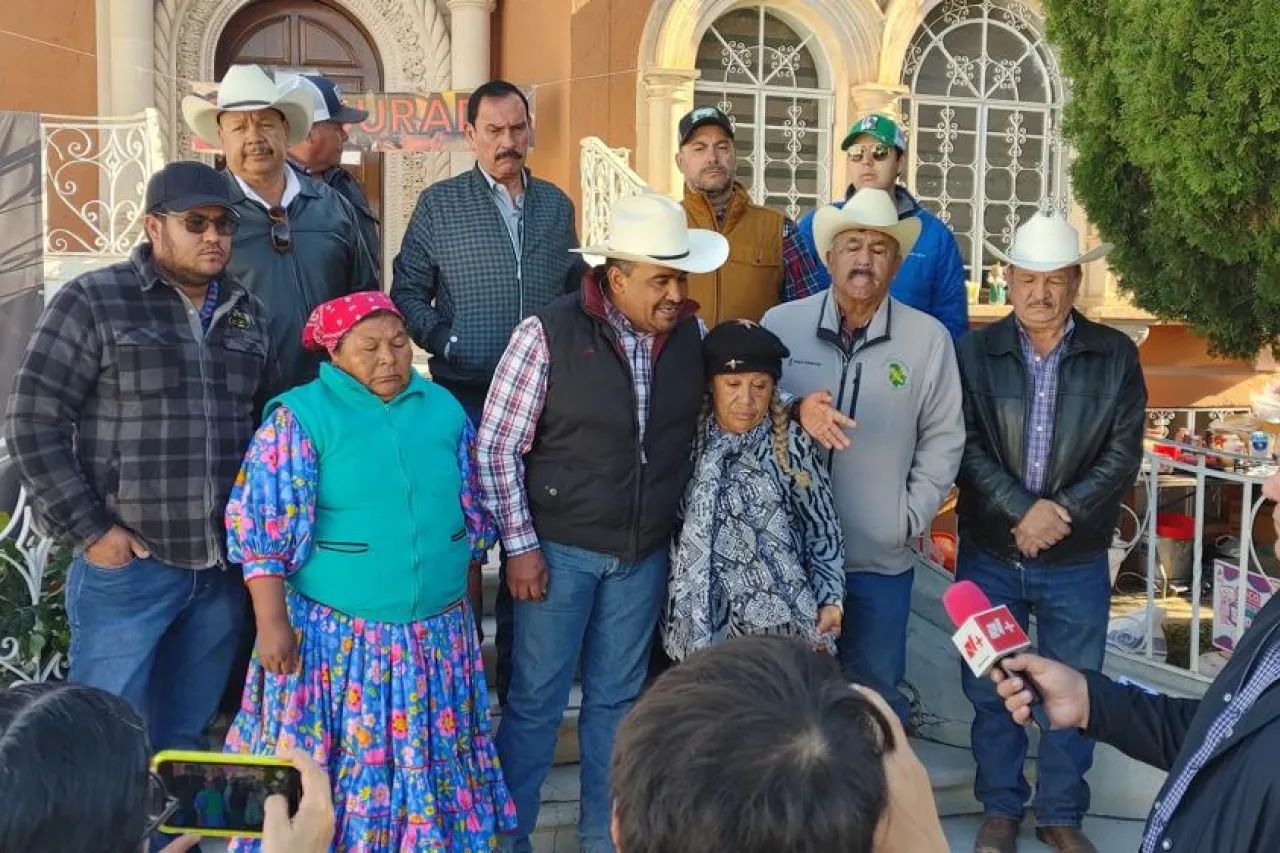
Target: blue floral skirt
{"x":399,"y":714}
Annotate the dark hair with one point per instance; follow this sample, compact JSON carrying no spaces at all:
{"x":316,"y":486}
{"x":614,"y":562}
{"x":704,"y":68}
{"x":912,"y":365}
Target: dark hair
{"x":73,"y":771}
{"x":756,"y":745}
{"x":493,"y":89}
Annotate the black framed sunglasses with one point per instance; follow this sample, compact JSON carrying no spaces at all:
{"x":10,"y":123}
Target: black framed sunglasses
{"x":281,"y":237}
{"x":878,"y":152}
{"x":160,"y":804}
{"x":198,"y":223}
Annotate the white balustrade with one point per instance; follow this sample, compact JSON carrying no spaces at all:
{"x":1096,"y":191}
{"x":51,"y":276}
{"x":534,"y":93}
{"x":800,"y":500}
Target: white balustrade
{"x":606,"y":176}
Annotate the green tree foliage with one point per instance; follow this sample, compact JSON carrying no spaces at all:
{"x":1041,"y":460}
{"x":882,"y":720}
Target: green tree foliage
{"x":1175,"y":115}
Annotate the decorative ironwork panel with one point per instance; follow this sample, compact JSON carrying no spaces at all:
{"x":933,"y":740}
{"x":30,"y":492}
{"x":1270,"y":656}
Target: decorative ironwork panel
{"x":34,"y":634}
{"x":95,"y":180}
{"x":984,"y":121}
{"x":606,"y":176}
{"x":765,"y":76}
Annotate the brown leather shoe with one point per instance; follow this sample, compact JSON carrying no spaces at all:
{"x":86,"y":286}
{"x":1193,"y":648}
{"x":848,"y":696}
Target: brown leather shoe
{"x":997,"y":835}
{"x":1065,"y":839}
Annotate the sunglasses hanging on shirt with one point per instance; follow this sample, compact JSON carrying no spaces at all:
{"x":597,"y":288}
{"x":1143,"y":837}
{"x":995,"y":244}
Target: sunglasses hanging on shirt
{"x":281,"y":237}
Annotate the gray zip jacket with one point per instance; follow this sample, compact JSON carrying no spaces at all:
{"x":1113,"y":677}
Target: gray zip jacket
{"x":901,"y":384}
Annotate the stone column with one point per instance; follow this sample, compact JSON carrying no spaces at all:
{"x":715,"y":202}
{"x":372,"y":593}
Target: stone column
{"x":469,"y":37}
{"x":131,"y":41}
{"x":668,"y":94}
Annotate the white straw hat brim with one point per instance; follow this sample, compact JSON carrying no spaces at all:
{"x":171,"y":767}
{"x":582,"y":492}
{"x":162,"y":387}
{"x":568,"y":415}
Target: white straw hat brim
{"x":1049,"y":264}
{"x":707,"y":252}
{"x":295,"y":106}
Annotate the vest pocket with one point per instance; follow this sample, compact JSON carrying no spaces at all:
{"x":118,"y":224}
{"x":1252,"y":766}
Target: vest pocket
{"x":343,"y":547}
{"x":460,"y":535}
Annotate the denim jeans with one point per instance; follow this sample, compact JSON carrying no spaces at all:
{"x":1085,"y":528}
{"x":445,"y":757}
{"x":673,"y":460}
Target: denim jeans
{"x":606,"y":609}
{"x":163,"y":638}
{"x":873,"y":639}
{"x":1071,"y":604}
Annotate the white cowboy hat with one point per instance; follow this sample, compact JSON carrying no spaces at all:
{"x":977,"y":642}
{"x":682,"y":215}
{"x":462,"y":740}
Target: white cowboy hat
{"x":869,"y":210}
{"x":1047,"y":243}
{"x":245,"y":88}
{"x":652,"y":229}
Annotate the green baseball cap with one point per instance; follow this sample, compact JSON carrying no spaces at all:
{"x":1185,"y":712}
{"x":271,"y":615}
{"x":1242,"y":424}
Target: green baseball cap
{"x":881,"y":128}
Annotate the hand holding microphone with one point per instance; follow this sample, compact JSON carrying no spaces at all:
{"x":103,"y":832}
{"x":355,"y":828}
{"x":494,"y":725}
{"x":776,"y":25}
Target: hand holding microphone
{"x":988,"y":636}
{"x":1063,"y":691}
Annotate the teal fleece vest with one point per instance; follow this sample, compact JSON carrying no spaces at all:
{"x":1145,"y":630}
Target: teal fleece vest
{"x":390,"y":542}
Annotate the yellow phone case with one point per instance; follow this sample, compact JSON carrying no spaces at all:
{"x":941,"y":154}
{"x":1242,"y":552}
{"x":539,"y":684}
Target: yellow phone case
{"x":230,"y":759}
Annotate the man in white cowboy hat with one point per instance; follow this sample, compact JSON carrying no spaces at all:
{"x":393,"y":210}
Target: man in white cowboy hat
{"x":893,"y":369}
{"x":583,"y":455}
{"x":1055,"y":407}
{"x":299,"y":243}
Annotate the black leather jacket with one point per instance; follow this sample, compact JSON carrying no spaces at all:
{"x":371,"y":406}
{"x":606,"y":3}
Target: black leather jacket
{"x":1099,"y":421}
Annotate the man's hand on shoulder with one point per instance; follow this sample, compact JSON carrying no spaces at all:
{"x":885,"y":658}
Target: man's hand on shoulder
{"x":823,"y":422}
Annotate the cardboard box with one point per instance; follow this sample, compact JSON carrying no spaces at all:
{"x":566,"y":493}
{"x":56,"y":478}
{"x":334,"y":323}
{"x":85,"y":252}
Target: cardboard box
{"x":1227,"y":612}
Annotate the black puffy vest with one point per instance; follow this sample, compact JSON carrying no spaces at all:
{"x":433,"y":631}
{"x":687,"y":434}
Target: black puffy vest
{"x":589,"y":482}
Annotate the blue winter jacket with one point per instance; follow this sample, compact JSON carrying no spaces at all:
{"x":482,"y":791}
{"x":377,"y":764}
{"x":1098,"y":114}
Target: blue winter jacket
{"x":931,"y":279}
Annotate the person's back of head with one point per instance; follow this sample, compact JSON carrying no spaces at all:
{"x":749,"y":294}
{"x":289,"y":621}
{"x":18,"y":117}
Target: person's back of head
{"x":757,"y":745}
{"x":73,"y":771}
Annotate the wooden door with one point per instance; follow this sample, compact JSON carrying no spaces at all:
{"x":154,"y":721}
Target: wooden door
{"x":312,"y":37}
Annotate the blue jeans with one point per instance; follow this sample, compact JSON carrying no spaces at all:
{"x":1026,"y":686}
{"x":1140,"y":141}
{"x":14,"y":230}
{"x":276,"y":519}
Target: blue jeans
{"x":873,"y":639}
{"x":605,"y":609}
{"x":163,"y":638}
{"x":1071,"y":604}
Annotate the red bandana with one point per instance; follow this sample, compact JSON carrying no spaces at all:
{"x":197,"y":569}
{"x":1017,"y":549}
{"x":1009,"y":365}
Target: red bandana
{"x":331,"y":321}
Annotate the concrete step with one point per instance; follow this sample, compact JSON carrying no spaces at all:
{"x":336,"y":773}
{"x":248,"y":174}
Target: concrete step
{"x":568,"y":750}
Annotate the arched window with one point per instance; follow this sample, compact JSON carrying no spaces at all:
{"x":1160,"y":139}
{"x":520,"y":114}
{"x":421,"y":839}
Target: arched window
{"x":985,"y":121}
{"x":761,"y":71}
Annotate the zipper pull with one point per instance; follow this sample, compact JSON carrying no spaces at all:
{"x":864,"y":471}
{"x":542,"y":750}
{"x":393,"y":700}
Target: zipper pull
{"x":644,"y":457}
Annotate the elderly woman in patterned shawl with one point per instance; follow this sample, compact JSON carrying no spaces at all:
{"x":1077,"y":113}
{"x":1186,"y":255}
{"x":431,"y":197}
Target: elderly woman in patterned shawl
{"x":760,"y":549}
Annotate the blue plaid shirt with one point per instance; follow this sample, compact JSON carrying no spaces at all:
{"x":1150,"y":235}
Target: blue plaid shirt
{"x":1042,"y":385}
{"x":1264,"y":675}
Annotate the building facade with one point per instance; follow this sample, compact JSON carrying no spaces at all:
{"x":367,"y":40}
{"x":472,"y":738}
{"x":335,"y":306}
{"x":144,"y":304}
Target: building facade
{"x":975,"y":82}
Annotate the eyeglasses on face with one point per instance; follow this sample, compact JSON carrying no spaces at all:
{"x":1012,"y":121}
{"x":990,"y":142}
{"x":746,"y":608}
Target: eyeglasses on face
{"x":198,"y":223}
{"x":281,"y":237}
{"x":160,"y":804}
{"x":878,"y":152}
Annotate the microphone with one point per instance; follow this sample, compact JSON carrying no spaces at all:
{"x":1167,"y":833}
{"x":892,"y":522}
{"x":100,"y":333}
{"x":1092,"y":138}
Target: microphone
{"x":987,"y":635}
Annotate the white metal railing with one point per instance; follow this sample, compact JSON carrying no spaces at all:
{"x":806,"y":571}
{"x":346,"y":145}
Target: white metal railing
{"x":1190,"y":470}
{"x":606,"y":176}
{"x":25,"y":561}
{"x":95,"y":172}
{"x":1166,"y":422}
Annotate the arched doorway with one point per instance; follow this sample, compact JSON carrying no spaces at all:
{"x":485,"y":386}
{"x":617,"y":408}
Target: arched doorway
{"x":314,"y":37}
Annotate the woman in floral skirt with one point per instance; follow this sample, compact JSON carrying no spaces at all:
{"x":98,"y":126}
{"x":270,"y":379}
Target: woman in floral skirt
{"x":356,"y":520}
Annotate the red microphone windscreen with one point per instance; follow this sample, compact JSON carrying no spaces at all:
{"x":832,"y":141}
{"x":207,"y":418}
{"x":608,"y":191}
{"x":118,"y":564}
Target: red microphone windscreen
{"x":963,"y":599}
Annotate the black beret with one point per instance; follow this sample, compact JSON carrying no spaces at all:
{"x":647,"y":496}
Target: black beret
{"x":741,"y":346}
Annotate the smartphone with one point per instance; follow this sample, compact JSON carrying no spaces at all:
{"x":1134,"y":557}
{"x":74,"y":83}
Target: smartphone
{"x":223,"y":795}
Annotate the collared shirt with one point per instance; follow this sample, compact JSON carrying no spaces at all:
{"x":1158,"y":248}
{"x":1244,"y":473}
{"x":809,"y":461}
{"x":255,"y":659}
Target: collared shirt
{"x":1042,"y":385}
{"x":512,"y":209}
{"x":210,"y":305}
{"x":1265,"y":674}
{"x":292,"y":186}
{"x":803,"y":273}
{"x":514,"y":406}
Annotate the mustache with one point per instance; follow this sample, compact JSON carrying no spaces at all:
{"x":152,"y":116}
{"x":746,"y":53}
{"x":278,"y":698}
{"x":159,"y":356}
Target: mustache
{"x":510,"y":154}
{"x":258,"y":148}
{"x":857,"y":271}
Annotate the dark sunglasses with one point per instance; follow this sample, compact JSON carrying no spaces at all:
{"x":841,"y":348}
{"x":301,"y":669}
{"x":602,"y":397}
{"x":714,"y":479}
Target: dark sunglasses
{"x":198,"y":223}
{"x":160,"y":804}
{"x":281,"y":238}
{"x":878,"y":152}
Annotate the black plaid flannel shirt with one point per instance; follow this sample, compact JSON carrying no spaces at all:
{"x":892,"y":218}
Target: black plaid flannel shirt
{"x":122,"y":414}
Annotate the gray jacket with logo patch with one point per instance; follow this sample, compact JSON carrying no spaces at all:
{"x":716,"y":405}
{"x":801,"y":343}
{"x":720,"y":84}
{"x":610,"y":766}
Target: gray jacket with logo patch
{"x":901,"y":384}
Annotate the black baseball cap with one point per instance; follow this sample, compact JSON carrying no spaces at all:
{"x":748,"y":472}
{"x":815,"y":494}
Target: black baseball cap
{"x":186,"y":185}
{"x":334,"y":108}
{"x":701,"y":117}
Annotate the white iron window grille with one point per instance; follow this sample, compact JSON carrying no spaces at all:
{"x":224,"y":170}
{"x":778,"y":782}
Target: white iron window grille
{"x":765,"y":75}
{"x":985,"y":121}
